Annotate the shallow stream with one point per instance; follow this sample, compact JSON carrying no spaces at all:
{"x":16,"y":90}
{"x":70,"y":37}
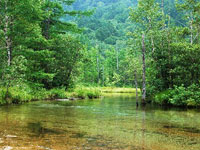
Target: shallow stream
{"x":109,"y":123}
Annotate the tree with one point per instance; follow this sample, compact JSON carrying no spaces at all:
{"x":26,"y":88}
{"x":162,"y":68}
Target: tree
{"x":146,"y":15}
{"x":191,"y":9}
{"x":68,"y":52}
{"x":15,"y":23}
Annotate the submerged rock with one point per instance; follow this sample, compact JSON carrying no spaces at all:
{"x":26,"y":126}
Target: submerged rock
{"x":1,"y":141}
{"x":10,"y":136}
{"x":73,"y":98}
{"x":62,"y":100}
{"x":46,"y":148}
{"x":69,"y":99}
{"x":7,"y":148}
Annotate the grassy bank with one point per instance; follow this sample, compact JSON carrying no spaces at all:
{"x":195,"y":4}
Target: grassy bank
{"x":18,"y":95}
{"x":118,"y":90}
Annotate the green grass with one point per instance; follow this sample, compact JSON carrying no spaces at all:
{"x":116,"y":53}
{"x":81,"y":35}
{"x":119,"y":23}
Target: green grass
{"x":86,"y":92}
{"x":118,"y":90}
{"x":18,"y":95}
{"x":15,"y":95}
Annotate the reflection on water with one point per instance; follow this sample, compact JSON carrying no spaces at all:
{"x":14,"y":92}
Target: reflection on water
{"x":38,"y":130}
{"x":112,"y":122}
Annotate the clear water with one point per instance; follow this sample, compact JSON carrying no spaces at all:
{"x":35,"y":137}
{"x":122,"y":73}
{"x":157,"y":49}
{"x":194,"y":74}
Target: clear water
{"x":112,"y":123}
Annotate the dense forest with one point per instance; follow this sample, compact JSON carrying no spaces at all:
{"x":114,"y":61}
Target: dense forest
{"x":153,"y":45}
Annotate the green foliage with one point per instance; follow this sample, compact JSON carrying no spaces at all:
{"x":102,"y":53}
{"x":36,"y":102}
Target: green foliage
{"x":56,"y":93}
{"x":15,"y":95}
{"x":172,"y":50}
{"x":37,"y":47}
{"x":180,"y":96}
{"x":3,"y":95}
{"x":42,"y":55}
{"x":117,"y":90}
{"x":105,"y":35}
{"x":68,"y":52}
{"x":83,"y":92}
{"x":22,"y":94}
{"x":162,"y":98}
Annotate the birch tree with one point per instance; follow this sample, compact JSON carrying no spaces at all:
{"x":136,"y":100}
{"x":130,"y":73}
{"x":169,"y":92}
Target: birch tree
{"x":146,"y":15}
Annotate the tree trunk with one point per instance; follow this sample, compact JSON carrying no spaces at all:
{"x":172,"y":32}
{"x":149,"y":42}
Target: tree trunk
{"x":136,"y":87}
{"x":103,"y":76}
{"x":169,"y":51}
{"x":6,"y":34}
{"x":117,"y":59}
{"x":162,"y":7}
{"x":152,"y":43}
{"x":98,"y":69}
{"x":144,"y":72}
{"x":46,"y":28}
{"x":191,"y":28}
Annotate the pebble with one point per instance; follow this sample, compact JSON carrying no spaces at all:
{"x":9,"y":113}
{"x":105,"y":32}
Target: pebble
{"x":10,"y":136}
{"x":44,"y":147}
{"x":63,"y":100}
{"x":1,"y":141}
{"x":7,"y":148}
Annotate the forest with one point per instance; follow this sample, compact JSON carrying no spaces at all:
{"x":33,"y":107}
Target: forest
{"x":50,"y":48}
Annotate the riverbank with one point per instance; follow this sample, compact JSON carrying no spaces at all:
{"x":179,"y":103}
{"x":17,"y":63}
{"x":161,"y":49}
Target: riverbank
{"x":18,"y":95}
{"x":118,"y":90}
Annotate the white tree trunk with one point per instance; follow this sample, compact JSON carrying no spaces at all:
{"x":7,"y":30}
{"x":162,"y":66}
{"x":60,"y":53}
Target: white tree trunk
{"x":117,"y":59}
{"x":191,"y":28}
{"x":162,"y":7}
{"x":98,"y":68}
{"x":152,"y":43}
{"x":136,"y":87}
{"x":144,"y":72}
{"x":6,"y":34}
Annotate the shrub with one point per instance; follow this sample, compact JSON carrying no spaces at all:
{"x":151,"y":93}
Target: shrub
{"x":80,"y":93}
{"x":57,"y":93}
{"x":93,"y":93}
{"x":15,"y":95}
{"x":179,"y":96}
{"x":162,"y":98}
{"x":21,"y":94}
{"x":3,"y":96}
{"x":83,"y":92}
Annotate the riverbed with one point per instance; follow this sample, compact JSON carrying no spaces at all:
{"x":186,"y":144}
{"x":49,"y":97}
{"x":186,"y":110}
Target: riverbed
{"x":109,"y":123}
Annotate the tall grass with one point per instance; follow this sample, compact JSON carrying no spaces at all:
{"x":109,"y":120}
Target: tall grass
{"x":118,"y":90}
{"x":15,"y":95}
{"x":84,"y":92}
{"x":18,"y":95}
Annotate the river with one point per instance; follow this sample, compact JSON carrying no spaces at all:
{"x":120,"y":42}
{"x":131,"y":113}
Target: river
{"x":109,"y":123}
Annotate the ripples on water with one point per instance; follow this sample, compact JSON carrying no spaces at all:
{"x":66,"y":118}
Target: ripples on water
{"x":112,"y":123}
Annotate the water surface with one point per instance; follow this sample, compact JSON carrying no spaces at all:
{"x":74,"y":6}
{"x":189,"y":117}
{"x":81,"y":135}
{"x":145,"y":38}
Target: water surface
{"x":112,"y":123}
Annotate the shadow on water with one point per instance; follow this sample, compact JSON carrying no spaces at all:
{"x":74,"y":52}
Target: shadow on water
{"x":38,"y":130}
{"x":185,"y":129}
{"x":78,"y":135}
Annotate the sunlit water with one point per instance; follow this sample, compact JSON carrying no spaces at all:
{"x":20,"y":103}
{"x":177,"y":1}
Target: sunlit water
{"x":109,"y":123}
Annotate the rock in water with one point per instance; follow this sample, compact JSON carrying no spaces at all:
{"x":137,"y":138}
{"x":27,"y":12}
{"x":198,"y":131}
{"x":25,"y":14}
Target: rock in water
{"x":7,"y":148}
{"x":1,"y":141}
{"x":62,"y":100}
{"x":10,"y":136}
